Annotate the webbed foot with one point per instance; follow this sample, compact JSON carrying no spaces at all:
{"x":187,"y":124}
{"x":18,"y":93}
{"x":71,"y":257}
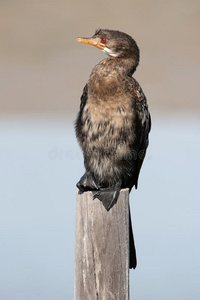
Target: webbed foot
{"x":108,"y":196}
{"x":87,"y":183}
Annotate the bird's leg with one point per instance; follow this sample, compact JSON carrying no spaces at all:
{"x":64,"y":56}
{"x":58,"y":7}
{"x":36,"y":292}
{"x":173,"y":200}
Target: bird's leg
{"x":108,"y":196}
{"x":87,"y":183}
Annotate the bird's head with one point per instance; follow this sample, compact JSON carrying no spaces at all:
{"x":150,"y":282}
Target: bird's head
{"x":114,"y":43}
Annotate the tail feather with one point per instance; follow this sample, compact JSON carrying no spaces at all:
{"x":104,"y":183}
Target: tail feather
{"x":132,"y":251}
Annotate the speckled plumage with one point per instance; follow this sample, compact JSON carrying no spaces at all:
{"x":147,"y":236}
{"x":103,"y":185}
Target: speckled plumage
{"x":113,"y":124}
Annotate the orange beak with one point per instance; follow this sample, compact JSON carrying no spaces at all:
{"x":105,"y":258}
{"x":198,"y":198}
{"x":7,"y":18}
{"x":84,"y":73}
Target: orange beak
{"x":90,"y":41}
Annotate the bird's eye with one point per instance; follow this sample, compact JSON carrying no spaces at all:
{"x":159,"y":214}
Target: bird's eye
{"x":103,"y":41}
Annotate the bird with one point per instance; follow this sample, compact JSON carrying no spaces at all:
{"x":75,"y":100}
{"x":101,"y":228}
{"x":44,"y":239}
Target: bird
{"x":113,"y":123}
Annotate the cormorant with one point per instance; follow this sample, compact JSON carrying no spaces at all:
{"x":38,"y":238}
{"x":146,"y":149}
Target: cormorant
{"x":113,"y":123}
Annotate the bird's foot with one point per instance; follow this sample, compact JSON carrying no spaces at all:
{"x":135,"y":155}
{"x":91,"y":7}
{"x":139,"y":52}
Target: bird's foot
{"x":108,"y":196}
{"x":87,"y":183}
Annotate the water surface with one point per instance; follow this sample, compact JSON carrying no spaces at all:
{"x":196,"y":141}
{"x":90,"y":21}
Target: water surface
{"x":40,"y":165}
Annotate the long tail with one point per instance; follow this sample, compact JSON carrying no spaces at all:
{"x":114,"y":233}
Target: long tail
{"x":132,"y":251}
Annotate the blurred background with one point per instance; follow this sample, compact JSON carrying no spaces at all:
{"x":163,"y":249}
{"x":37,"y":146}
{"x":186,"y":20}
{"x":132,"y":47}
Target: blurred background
{"x":43,"y":71}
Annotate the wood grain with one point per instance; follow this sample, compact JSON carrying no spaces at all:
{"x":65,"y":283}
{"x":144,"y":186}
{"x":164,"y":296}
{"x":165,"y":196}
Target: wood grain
{"x":102,"y":249}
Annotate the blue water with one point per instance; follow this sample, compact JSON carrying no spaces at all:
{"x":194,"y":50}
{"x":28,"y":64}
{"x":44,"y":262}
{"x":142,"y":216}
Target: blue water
{"x":40,"y":163}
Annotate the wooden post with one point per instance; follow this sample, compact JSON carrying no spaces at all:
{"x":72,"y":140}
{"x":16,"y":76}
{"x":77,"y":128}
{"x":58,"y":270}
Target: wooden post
{"x":102,"y":249}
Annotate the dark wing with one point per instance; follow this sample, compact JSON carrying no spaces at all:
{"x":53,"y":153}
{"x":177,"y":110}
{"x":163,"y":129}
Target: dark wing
{"x":78,"y":123}
{"x":84,"y":97}
{"x":143,"y":126}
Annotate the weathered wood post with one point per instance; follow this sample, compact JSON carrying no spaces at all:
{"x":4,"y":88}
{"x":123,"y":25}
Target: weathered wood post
{"x":102,"y":249}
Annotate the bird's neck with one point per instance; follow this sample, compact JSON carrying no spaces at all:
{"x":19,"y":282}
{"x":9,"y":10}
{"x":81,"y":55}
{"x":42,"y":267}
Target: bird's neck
{"x":108,"y":77}
{"x":118,"y":65}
